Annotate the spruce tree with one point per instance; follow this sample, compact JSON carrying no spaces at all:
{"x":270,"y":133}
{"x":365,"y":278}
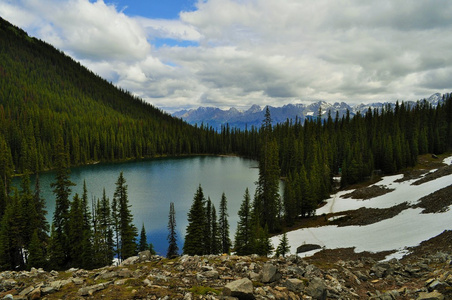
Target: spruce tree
{"x":269,"y":173}
{"x":76,"y":232}
{"x":173,"y":249}
{"x":283,"y":246}
{"x":127,"y":230}
{"x":223,"y":225}
{"x":215,"y":233}
{"x":143,"y":244}
{"x":42,"y":226}
{"x":243,"y":233}
{"x":87,"y":241}
{"x":208,"y":229}
{"x":194,"y":239}
{"x":6,"y":171}
{"x":36,"y":254}
{"x":103,"y":233}
{"x":62,"y":190}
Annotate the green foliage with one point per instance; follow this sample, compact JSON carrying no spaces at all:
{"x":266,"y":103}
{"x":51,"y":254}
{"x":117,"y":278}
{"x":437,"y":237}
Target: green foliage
{"x":223,"y":225}
{"x":127,"y":232}
{"x":143,"y":244}
{"x":283,"y":246}
{"x":103,"y":233}
{"x":243,"y":235}
{"x":173,"y":249}
{"x":194,"y":239}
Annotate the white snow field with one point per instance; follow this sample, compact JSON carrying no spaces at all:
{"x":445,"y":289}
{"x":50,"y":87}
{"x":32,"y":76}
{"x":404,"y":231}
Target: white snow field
{"x":407,"y":229}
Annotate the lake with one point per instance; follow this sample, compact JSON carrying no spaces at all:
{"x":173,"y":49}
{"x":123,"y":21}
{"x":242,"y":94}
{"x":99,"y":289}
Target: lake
{"x":153,"y":184}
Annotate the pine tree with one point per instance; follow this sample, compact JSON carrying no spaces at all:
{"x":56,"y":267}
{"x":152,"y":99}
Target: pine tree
{"x":269,"y":173}
{"x":283,"y":247}
{"x":36,"y":255}
{"x":127,"y":231}
{"x":6,"y":171}
{"x":173,"y":249}
{"x":103,"y":233}
{"x":194,"y":238}
{"x":62,"y":190}
{"x":208,"y":228}
{"x":215,"y":233}
{"x":87,"y":241}
{"x":76,"y":232}
{"x":11,"y":243}
{"x":243,"y":233}
{"x":223,"y":225}
{"x":42,"y":226}
{"x":143,"y":244}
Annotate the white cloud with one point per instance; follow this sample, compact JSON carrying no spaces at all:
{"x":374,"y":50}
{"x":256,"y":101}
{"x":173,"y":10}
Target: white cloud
{"x":255,"y":51}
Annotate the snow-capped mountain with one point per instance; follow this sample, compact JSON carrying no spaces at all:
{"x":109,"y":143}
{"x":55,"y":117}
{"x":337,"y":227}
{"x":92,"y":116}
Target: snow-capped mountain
{"x":216,"y":117}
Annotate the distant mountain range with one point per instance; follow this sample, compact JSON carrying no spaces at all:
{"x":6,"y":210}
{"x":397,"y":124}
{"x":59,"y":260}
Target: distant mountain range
{"x":216,"y":117}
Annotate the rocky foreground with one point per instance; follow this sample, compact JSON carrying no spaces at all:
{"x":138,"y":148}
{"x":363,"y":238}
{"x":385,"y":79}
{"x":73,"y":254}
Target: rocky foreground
{"x":426,"y":276}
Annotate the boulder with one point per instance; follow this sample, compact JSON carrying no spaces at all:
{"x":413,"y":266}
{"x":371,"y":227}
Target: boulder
{"x":294,"y":284}
{"x":241,"y":289}
{"x":130,"y":261}
{"x":269,"y":273}
{"x":435,"y":295}
{"x":144,"y":255}
{"x":316,"y":289}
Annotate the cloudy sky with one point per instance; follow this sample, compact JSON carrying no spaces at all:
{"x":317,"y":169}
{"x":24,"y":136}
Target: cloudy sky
{"x":186,"y":53}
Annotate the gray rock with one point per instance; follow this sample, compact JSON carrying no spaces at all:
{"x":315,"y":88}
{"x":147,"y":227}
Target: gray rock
{"x":48,"y":290}
{"x":8,"y":284}
{"x":269,"y":273}
{"x":294,"y":284}
{"x":130,"y":261}
{"x":430,"y":296}
{"x":254,"y":276}
{"x":242,"y":289}
{"x":316,"y":289}
{"x":144,"y":255}
{"x":211,"y":274}
{"x":89,"y":290}
{"x":27,"y":290}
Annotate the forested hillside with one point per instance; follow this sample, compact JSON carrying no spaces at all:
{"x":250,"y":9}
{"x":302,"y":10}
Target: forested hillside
{"x":45,"y":94}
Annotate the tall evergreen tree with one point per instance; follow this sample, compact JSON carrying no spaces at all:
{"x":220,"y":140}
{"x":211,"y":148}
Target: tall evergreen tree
{"x":223,"y":225}
{"x":194,"y":238}
{"x":103,"y":233}
{"x":62,"y":190}
{"x":173,"y":249}
{"x":36,"y":256}
{"x":283,"y":246}
{"x":127,"y":230}
{"x":208,"y":229}
{"x":269,"y":173}
{"x":215,"y":238}
{"x":243,"y":233}
{"x":76,"y":232}
{"x":143,"y":244}
{"x":6,"y":171}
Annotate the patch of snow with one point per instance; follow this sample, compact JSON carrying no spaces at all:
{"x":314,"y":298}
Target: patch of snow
{"x":407,"y":229}
{"x":403,"y":192}
{"x":311,"y":113}
{"x":448,"y":160}
{"x":397,"y":255}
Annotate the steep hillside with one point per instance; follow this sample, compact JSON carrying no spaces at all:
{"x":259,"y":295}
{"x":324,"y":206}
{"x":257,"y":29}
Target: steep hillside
{"x":45,"y":94}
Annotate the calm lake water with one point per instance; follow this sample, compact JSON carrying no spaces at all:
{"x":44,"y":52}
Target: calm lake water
{"x":153,"y":184}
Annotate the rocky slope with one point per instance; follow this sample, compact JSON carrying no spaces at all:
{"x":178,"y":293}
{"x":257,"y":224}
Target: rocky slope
{"x":328,"y":276}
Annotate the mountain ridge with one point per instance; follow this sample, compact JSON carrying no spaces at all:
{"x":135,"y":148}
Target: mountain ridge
{"x":216,"y":117}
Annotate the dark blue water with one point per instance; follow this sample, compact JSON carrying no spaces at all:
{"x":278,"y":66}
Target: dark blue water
{"x":153,"y":184}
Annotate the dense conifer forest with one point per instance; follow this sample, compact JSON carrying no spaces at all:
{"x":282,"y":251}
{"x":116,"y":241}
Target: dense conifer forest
{"x":54,"y":114}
